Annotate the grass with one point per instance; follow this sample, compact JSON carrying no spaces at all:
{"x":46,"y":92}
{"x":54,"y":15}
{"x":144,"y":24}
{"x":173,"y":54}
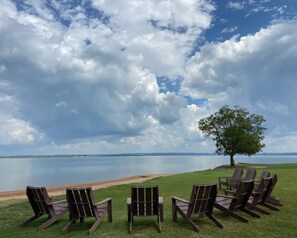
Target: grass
{"x":279,"y":224}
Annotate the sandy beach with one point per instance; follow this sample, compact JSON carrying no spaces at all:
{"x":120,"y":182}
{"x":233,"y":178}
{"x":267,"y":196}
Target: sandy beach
{"x":60,"y":190}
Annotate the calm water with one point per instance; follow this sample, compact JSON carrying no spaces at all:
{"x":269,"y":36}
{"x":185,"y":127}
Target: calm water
{"x":17,"y":173}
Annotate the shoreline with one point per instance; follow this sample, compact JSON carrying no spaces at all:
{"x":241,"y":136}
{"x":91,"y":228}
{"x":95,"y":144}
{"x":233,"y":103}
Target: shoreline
{"x":60,"y":190}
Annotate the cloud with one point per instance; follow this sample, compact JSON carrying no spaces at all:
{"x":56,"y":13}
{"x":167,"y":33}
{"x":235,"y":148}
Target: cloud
{"x":229,"y":29}
{"x":16,"y":131}
{"x":255,"y":71}
{"x":78,"y":72}
{"x":236,"y":5}
{"x":115,"y":76}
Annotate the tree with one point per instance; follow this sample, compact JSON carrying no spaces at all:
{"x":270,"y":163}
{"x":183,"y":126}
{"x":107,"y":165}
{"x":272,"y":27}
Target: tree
{"x":235,"y":131}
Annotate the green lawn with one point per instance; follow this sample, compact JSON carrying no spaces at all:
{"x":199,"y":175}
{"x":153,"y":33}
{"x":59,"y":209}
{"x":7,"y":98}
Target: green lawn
{"x":279,"y":224}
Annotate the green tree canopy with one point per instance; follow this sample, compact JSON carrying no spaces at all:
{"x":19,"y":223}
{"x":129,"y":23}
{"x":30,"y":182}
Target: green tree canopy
{"x":235,"y":131}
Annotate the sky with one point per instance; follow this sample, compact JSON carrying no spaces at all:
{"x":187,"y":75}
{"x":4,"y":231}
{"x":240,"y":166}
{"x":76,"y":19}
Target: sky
{"x":98,"y":76}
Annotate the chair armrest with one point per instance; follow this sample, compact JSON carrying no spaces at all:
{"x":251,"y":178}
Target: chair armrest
{"x":128,"y":201}
{"x":232,"y":180}
{"x":103,"y":201}
{"x":254,"y":193}
{"x":180,"y":199}
{"x":160,"y":200}
{"x":229,"y":191}
{"x":57,"y":202}
{"x":225,"y":177}
{"x":226,"y":196}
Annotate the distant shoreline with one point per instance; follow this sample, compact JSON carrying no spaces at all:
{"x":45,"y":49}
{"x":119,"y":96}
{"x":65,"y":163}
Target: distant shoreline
{"x":139,"y":154}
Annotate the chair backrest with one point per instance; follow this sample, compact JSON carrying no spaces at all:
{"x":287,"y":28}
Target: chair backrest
{"x":264,"y":174}
{"x":261,"y":191}
{"x":81,"y":202}
{"x":242,"y":194}
{"x":250,"y":174}
{"x":202,"y":199}
{"x":237,"y":173}
{"x":145,"y":200}
{"x":273,"y":182}
{"x":38,"y":198}
{"x":268,"y":188}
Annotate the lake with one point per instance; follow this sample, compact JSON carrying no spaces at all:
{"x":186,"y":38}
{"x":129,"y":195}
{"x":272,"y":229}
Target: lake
{"x":17,"y":173}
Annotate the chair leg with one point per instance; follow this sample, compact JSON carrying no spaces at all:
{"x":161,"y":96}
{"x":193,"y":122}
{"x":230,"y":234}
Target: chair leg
{"x":29,"y":221}
{"x":48,"y":223}
{"x":189,"y":221}
{"x":274,"y":199}
{"x":130,"y":222}
{"x":95,"y":225}
{"x":109,"y":211}
{"x":215,"y":220}
{"x":231,"y":213}
{"x":273,"y":202}
{"x":174,"y":212}
{"x":159,"y":222}
{"x":250,"y":212}
{"x":256,"y":208}
{"x":69,"y":225}
{"x":129,"y":212}
{"x":161,"y":212}
{"x":269,"y":206}
{"x":52,"y":220}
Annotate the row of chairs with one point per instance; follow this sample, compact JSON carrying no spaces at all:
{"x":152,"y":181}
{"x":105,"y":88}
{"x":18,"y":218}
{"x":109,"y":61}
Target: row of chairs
{"x":246,"y":196}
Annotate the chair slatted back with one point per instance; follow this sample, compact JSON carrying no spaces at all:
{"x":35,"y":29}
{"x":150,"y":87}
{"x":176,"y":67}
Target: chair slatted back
{"x":259,"y":191}
{"x":242,"y":194}
{"x":274,"y":181}
{"x":237,"y":174}
{"x":268,"y":185}
{"x":80,"y":201}
{"x":144,"y":200}
{"x":250,"y":174}
{"x":202,"y":199}
{"x":38,"y":198}
{"x":264,"y":174}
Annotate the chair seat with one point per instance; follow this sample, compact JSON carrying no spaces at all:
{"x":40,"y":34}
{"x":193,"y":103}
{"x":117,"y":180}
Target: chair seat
{"x":58,"y":208}
{"x":183,"y":206}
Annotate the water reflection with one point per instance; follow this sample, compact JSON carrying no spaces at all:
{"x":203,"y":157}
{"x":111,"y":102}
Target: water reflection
{"x":17,"y":173}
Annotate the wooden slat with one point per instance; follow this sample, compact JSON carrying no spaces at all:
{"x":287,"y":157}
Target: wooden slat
{"x":149,"y":202}
{"x":155,"y":200}
{"x":134,"y":201}
{"x":78,"y":202}
{"x":86,"y":203}
{"x":141,"y":201}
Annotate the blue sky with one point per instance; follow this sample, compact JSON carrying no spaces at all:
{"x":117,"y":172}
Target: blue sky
{"x":136,"y":76}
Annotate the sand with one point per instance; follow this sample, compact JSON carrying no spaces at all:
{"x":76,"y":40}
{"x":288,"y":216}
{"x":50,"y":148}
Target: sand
{"x":60,"y":190}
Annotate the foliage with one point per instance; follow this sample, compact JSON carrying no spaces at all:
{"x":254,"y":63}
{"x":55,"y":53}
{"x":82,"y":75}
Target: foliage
{"x":235,"y":131}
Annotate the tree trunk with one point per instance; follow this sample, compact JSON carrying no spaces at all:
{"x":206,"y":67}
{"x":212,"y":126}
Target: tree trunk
{"x":232,"y":161}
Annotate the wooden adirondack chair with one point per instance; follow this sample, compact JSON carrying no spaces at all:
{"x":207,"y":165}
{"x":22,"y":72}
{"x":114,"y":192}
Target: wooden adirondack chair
{"x":82,"y":204}
{"x":228,"y":204}
{"x":145,"y":201}
{"x":259,"y":195}
{"x":201,"y":203}
{"x":249,"y":175}
{"x":42,"y":204}
{"x":270,"y":199}
{"x":227,"y":181}
{"x":266,"y":202}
